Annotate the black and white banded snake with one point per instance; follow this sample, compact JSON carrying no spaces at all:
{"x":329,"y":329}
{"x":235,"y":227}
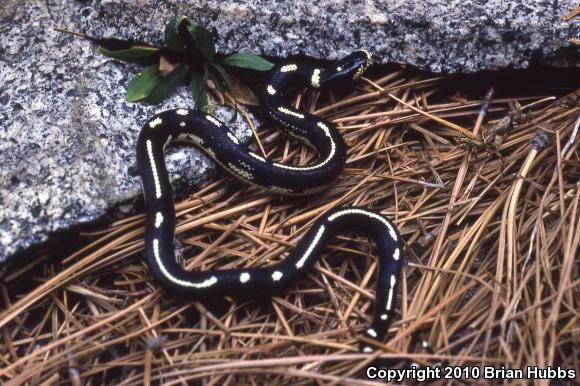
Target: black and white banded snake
{"x":216,"y":140}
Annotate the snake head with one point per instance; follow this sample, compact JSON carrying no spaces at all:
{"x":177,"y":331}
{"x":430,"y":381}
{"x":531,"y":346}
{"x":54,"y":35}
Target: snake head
{"x":361,"y":60}
{"x":350,"y":67}
{"x":355,"y":64}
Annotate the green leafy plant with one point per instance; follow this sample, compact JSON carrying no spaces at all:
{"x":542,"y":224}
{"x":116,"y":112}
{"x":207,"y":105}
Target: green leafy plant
{"x":189,"y":55}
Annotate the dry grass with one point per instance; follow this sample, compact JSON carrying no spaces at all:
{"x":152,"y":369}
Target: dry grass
{"x":491,"y":224}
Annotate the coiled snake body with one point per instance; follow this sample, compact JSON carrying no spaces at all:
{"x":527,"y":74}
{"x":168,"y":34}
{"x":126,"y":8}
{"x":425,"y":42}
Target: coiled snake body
{"x":216,"y":140}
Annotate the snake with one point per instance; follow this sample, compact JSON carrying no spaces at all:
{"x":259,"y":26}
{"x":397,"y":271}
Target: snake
{"x":204,"y":131}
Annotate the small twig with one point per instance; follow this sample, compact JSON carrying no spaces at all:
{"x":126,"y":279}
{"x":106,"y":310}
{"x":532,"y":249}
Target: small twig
{"x":65,"y":31}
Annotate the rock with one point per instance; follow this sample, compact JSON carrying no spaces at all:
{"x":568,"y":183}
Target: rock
{"x":434,"y":35}
{"x":67,"y":134}
{"x":67,"y":148}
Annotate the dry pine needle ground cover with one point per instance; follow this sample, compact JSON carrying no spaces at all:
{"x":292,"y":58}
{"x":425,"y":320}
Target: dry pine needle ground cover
{"x":483,"y":186}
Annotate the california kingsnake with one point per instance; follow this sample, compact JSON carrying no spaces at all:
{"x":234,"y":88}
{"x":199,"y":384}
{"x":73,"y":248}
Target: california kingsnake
{"x":215,"y":139}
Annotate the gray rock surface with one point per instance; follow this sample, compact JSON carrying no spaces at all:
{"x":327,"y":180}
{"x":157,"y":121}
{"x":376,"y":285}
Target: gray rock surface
{"x":435,"y":35}
{"x":67,"y":135}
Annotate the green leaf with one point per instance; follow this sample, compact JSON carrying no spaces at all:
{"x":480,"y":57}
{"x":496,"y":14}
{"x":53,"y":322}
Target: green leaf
{"x":142,"y":84}
{"x":198,"y":87}
{"x":135,"y":54}
{"x":112,"y":44}
{"x":182,"y":35}
{"x":250,"y":61}
{"x":151,"y":87}
{"x":173,"y":40}
{"x":199,"y":39}
{"x":227,"y":82}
